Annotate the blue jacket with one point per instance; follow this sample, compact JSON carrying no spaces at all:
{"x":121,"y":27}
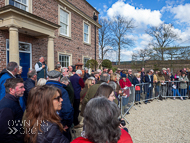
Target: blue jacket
{"x":11,"y":120}
{"x":4,"y":75}
{"x":76,"y":86}
{"x":66,"y":112}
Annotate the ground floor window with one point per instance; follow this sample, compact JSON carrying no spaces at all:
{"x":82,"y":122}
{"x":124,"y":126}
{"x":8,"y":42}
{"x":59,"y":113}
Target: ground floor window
{"x":85,"y":61}
{"x":64,"y":60}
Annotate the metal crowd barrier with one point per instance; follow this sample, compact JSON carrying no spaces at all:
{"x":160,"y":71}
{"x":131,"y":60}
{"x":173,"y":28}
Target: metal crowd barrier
{"x":149,"y":92}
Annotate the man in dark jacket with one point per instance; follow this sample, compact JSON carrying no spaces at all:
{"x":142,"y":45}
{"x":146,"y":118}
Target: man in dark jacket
{"x":130,"y":75}
{"x":66,"y":112}
{"x":29,"y":83}
{"x":11,"y":112}
{"x":69,"y":88}
{"x":11,"y":71}
{"x":77,"y":83}
{"x":41,"y":68}
{"x":148,"y":79}
{"x":86,"y":75}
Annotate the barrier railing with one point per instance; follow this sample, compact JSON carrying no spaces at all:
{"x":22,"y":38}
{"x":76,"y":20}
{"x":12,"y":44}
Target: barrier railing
{"x":145,"y":91}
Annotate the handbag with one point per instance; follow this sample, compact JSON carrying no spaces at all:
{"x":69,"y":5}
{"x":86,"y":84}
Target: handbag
{"x":137,"y":88}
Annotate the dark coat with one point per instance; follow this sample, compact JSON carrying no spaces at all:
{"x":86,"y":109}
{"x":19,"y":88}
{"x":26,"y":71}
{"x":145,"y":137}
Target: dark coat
{"x":10,"y":110}
{"x":70,"y":91}
{"x":130,"y":77}
{"x":28,"y":85}
{"x":4,"y":75}
{"x":86,"y":76}
{"x":135,"y":81}
{"x":66,"y":112}
{"x":51,"y":134}
{"x":142,"y":76}
{"x":147,"y":80}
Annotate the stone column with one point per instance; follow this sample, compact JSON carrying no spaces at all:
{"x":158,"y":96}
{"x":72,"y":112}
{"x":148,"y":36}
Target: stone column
{"x":50,"y":54}
{"x":13,"y":45}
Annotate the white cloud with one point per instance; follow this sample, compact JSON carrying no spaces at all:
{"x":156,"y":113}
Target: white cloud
{"x":131,"y":37}
{"x":141,"y":16}
{"x":182,"y":12}
{"x":105,"y":8}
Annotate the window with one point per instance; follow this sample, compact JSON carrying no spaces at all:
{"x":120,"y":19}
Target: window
{"x":85,"y":61}
{"x":22,"y":4}
{"x":86,"y":33}
{"x":64,"y":60}
{"x":64,"y":22}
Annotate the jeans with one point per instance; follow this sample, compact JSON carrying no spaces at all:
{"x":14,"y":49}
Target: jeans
{"x":137,"y":95}
{"x":149,"y":93}
{"x":125,"y":101}
{"x":176,"y":91}
{"x":183,"y":92}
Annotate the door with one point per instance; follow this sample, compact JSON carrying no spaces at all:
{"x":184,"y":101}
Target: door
{"x":24,"y":56}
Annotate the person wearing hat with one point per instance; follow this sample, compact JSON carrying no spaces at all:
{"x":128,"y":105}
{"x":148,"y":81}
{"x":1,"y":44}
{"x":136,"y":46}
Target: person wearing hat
{"x":66,"y":112}
{"x":96,"y":75}
{"x":92,"y":73}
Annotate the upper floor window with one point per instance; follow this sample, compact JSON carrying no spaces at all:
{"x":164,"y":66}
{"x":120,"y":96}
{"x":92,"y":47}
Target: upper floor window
{"x":86,"y":33}
{"x":22,"y":4}
{"x":64,"y":22}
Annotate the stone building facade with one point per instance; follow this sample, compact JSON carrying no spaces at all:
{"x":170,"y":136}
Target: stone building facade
{"x":59,"y":30}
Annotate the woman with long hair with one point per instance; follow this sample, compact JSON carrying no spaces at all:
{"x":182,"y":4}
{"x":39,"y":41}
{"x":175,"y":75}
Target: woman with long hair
{"x":107,"y":91}
{"x":41,"y":121}
{"x":88,"y":83}
{"x":101,"y":123}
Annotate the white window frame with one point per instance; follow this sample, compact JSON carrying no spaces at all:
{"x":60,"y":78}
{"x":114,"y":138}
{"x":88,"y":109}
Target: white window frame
{"x":28,"y":4}
{"x":89,"y":33}
{"x":21,"y":3}
{"x":68,"y":35}
{"x":30,"y":52}
{"x":65,"y":54}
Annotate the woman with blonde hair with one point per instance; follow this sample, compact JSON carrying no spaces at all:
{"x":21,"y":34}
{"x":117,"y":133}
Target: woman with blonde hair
{"x":42,"y":123}
{"x":137,"y":80}
{"x":88,"y":83}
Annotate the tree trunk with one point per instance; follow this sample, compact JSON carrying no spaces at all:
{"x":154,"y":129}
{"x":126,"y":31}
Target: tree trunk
{"x":102,"y":54}
{"x":119,"y":55}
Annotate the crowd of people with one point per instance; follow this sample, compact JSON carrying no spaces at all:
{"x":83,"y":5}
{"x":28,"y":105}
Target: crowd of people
{"x":45,"y":106}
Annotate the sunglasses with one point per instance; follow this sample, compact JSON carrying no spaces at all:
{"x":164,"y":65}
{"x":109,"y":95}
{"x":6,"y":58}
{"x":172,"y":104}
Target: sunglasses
{"x":57,"y":98}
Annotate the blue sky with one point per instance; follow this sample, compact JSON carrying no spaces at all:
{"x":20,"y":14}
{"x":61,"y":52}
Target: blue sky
{"x":148,"y":13}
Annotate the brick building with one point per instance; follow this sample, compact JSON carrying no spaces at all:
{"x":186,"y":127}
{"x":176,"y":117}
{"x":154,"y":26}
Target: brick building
{"x":59,"y":30}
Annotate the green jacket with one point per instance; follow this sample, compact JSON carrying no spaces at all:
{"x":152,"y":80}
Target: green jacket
{"x":183,"y":84}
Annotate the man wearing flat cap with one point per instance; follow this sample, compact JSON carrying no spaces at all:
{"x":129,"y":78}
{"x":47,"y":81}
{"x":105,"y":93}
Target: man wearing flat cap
{"x":66,"y":112}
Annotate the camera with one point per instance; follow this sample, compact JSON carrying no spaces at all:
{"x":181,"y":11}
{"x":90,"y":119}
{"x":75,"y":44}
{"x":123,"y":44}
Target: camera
{"x":122,"y":122}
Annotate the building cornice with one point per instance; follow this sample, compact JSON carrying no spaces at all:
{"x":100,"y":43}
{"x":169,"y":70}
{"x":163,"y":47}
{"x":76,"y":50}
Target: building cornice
{"x":78,"y":11}
{"x":10,"y":8}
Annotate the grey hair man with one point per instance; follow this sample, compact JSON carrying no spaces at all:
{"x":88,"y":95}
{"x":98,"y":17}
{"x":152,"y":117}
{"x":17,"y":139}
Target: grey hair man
{"x":41,"y":68}
{"x":77,"y":83}
{"x":10,"y":72}
{"x":29,"y":83}
{"x":65,"y":71}
{"x":66,"y":112}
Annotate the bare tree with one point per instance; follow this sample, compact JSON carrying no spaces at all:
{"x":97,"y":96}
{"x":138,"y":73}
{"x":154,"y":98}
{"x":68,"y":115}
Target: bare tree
{"x":142,"y":55}
{"x":104,"y":37}
{"x":163,"y":36}
{"x":119,"y":29}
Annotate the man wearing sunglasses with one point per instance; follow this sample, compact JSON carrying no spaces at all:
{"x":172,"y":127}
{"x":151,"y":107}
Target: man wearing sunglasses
{"x":66,"y":112}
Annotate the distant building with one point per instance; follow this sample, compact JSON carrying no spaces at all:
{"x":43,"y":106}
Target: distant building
{"x":59,"y":30}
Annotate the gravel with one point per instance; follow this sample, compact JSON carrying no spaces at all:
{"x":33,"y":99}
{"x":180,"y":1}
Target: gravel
{"x":166,"y":121}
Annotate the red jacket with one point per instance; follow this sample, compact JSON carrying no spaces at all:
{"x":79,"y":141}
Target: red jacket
{"x":123,"y":83}
{"x":124,"y":138}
